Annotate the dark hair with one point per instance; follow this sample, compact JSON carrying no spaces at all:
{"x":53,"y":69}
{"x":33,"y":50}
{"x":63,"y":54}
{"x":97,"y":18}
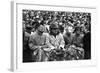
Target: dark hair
{"x":28,"y":27}
{"x":61,"y":28}
{"x":36,"y":24}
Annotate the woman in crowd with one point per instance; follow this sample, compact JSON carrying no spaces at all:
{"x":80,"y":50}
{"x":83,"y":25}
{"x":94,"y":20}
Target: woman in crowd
{"x":37,"y":43}
{"x":78,"y":37}
{"x":68,"y":35}
{"x":73,"y":42}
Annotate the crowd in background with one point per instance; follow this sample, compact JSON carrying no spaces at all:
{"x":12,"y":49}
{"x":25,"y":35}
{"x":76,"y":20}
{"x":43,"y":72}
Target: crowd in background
{"x":76,"y":23}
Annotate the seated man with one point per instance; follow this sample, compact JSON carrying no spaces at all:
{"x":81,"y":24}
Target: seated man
{"x":55,"y":38}
{"x":37,"y":43}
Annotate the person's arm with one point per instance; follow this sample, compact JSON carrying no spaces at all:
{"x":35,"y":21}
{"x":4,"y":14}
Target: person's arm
{"x":44,"y":45}
{"x":62,"y":42}
{"x":48,"y":43}
{"x":32,"y":43}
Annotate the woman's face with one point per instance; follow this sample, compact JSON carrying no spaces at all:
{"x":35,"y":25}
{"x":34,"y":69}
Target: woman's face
{"x":41,"y":29}
{"x":70,"y":29}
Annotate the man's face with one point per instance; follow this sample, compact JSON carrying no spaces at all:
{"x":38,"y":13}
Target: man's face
{"x":55,"y":30}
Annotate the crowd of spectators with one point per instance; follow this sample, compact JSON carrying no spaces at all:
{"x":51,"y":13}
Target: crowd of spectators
{"x":75,"y":22}
{"x":65,"y":19}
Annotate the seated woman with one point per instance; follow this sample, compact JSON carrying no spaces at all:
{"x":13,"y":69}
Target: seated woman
{"x":37,"y":43}
{"x":74,"y":51}
{"x":78,"y":37}
{"x":68,"y":35}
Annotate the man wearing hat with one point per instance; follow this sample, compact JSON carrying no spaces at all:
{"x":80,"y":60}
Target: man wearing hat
{"x":55,"y":42}
{"x":37,"y":43}
{"x":55,"y":39}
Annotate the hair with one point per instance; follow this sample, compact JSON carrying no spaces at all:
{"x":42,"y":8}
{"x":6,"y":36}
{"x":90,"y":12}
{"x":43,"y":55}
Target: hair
{"x":28,"y":27}
{"x":61,"y":28}
{"x":36,"y":24}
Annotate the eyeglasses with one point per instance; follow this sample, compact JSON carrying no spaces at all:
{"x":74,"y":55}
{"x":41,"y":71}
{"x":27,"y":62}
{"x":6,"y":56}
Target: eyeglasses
{"x":41,"y":31}
{"x":55,"y":28}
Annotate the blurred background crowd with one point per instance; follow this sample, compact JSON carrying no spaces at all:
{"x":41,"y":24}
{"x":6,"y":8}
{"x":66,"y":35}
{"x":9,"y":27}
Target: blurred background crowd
{"x":73,"y":22}
{"x":65,"y":19}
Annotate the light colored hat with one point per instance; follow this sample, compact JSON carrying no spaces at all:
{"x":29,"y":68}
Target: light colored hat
{"x":54,"y":25}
